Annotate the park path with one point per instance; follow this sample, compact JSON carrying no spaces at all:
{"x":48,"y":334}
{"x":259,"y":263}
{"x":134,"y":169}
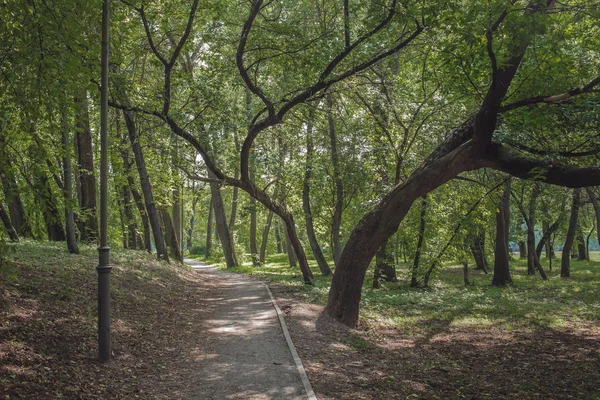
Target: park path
{"x":245,"y":352}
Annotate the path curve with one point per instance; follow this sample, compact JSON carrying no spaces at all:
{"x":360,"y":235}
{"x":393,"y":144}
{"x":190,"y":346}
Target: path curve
{"x":245,"y":353}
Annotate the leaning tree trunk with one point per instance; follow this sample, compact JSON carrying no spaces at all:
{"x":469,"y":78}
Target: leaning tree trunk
{"x":373,"y":230}
{"x":339,"y":187}
{"x":87,"y":179}
{"x":221,"y":222}
{"x":154,"y":218}
{"x":501,"y":258}
{"x":565,"y":264}
{"x":310,"y":230}
{"x":415,"y":268}
{"x":292,"y":259}
{"x":8,"y":227}
{"x":68,"y":189}
{"x":137,"y":197}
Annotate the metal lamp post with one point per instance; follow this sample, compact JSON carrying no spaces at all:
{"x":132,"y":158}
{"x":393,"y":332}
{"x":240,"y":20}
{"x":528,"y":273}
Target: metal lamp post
{"x":104,"y":267}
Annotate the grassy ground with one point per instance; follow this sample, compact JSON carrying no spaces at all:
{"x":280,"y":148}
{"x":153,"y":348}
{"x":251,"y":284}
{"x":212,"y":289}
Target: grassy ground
{"x":531,"y":301}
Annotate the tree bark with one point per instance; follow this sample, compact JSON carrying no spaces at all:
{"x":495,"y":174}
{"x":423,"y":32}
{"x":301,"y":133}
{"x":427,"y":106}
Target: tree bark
{"x":68,"y":188}
{"x":151,"y":209}
{"x":87,"y":196}
{"x":310,"y":230}
{"x":384,"y":267}
{"x":8,"y":227}
{"x":522,"y":249}
{"x":137,"y":197}
{"x":581,"y":253}
{"x":278,"y":237}
{"x":477,"y":249}
{"x":382,"y":221}
{"x":190,"y":232}
{"x":222,"y":227}
{"x":209,"y":231}
{"x":171,"y":234}
{"x":339,"y":187}
{"x":252,"y":175}
{"x":416,"y":260}
{"x":565,"y":264}
{"x":531,"y":253}
{"x":289,"y":248}
{"x":501,"y":258}
{"x":594,"y":201}
{"x":11,"y":192}
{"x":265,"y":238}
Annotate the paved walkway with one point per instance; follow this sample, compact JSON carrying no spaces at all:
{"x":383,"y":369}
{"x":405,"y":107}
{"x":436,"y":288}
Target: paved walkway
{"x":246,"y":356}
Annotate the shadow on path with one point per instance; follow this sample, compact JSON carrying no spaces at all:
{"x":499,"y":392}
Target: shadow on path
{"x":244,"y":355}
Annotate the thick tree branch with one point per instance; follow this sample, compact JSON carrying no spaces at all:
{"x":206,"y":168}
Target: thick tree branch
{"x":501,"y":158}
{"x":589,"y":88}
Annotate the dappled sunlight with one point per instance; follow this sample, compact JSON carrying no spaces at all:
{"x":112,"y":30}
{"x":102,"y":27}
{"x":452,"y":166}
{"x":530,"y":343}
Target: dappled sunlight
{"x":245,"y":356}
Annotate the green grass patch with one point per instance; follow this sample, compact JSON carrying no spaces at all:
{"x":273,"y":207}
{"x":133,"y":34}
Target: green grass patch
{"x":530,"y":303}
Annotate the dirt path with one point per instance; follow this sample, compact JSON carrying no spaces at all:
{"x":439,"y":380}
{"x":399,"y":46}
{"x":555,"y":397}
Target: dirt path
{"x":245,"y":353}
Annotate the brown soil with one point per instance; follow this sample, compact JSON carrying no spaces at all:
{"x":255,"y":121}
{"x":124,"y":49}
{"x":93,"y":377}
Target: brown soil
{"x":377,"y":362}
{"x":48,"y":333}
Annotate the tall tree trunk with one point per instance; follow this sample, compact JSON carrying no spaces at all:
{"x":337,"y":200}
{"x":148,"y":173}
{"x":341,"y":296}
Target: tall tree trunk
{"x":339,"y":187}
{"x":531,"y":254}
{"x":310,"y":230}
{"x":190,"y":232}
{"x":154,"y":218}
{"x":11,"y":192}
{"x":252,"y":175}
{"x":289,"y":248}
{"x":176,"y":208}
{"x":170,"y":234}
{"x":501,"y":256}
{"x":565,"y":264}
{"x":129,"y":218}
{"x":415,"y":267}
{"x":176,"y":219}
{"x":594,"y":201}
{"x":222,"y":227}
{"x":278,"y":237}
{"x":581,"y":253}
{"x":265,"y":238}
{"x":137,"y":197}
{"x":128,"y":222}
{"x":478,"y":250}
{"x":68,"y":188}
{"x":85,"y":153}
{"x":209,"y":231}
{"x":522,"y":249}
{"x":8,"y":227}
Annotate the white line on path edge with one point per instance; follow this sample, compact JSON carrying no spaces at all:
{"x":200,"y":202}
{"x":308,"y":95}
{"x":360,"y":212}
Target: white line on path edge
{"x":307,"y":386}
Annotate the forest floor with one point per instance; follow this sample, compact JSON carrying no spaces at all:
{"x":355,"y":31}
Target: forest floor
{"x":535,"y":340}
